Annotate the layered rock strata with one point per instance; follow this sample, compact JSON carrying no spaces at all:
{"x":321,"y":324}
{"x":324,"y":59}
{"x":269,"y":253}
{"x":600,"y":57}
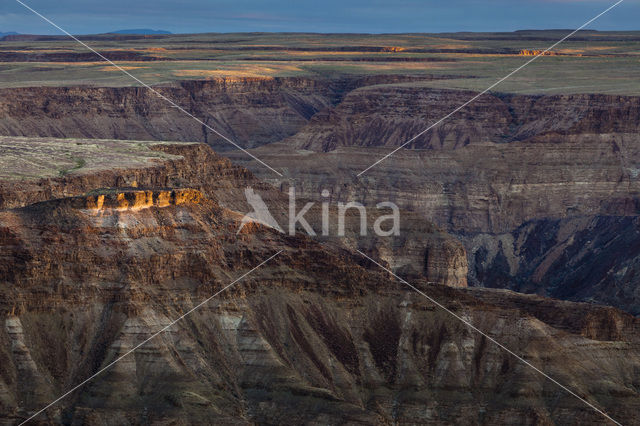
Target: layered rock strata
{"x":504,"y":165}
{"x":315,"y":336}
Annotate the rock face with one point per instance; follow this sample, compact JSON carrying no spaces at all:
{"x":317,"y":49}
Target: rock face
{"x":197,"y":166}
{"x":135,"y":199}
{"x":250,"y":111}
{"x":513,"y":209}
{"x":490,"y":168}
{"x":578,"y":258}
{"x":187,"y":163}
{"x":526,"y":52}
{"x":485,"y":174}
{"x":542,"y":192}
{"x":502,"y":162}
{"x":315,"y":336}
{"x":421,"y":250}
{"x":490,"y":187}
{"x":390,"y":115}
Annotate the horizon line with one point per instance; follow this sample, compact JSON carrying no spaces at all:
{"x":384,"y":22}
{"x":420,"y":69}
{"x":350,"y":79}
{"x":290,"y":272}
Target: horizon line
{"x":168,"y":33}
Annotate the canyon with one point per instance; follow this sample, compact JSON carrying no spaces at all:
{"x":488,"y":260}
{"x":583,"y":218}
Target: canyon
{"x":319,"y":336}
{"x":120,"y":214}
{"x":494,"y":176}
{"x":480,"y":176}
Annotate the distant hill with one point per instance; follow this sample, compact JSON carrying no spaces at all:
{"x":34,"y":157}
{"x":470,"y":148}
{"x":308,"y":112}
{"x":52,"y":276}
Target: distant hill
{"x":8,"y":33}
{"x":145,"y":31}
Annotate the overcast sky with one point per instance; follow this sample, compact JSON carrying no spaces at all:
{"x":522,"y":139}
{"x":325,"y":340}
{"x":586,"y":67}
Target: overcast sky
{"x":374,"y":16}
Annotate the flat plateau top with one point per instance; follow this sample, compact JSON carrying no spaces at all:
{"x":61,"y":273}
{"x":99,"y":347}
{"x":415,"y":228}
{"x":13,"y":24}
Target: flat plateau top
{"x":25,"y":159}
{"x":589,"y":62}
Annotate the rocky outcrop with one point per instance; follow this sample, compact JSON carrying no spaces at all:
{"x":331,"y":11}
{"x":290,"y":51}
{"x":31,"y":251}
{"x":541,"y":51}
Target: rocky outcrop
{"x":527,"y":52}
{"x":198,"y":167}
{"x":187,"y":164}
{"x":315,"y":336}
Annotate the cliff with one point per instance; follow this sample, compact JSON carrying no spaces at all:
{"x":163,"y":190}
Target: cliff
{"x":133,"y":199}
{"x":156,"y":165}
{"x":250,"y":111}
{"x":316,"y":336}
{"x":492,"y":175}
{"x":197,"y":166}
{"x":388,"y":115}
{"x":491,"y":168}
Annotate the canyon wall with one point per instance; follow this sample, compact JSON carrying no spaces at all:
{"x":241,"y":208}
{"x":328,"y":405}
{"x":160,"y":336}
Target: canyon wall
{"x":198,"y":166}
{"x":388,"y":115}
{"x":315,"y":336}
{"x":504,"y":161}
{"x":249,"y":111}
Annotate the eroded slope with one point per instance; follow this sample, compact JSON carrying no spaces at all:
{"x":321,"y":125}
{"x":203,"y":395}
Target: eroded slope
{"x":314,"y":336}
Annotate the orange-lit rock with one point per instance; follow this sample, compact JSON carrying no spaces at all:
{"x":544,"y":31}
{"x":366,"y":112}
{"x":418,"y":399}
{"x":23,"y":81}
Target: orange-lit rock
{"x":526,"y":52}
{"x":137,"y":199}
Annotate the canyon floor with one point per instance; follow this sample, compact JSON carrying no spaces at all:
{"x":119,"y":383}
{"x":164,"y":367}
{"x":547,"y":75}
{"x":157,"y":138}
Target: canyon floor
{"x":514,"y":283}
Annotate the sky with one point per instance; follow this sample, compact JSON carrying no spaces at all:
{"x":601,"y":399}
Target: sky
{"x":345,"y":16}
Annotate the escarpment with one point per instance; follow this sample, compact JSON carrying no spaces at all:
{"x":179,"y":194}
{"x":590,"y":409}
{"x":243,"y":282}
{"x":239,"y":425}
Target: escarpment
{"x":503,"y":161}
{"x":316,"y":335}
{"x":250,"y":111}
{"x":502,"y":164}
{"x":391,"y":115}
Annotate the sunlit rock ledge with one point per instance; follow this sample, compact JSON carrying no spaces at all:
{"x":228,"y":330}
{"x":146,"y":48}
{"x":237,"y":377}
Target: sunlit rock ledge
{"x":137,"y":199}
